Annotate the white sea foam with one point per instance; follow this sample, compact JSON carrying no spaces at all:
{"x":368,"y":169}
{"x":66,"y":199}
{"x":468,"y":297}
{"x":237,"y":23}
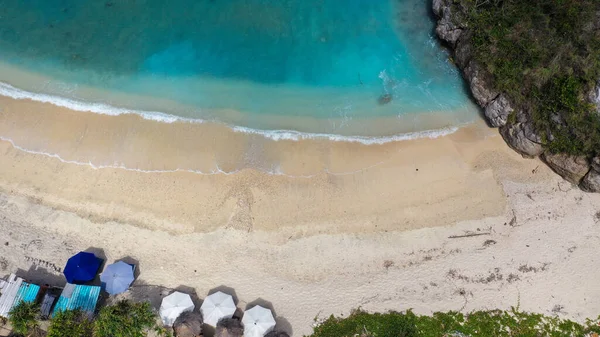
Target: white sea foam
{"x":278,"y":135}
{"x":217,"y":170}
{"x":275,"y":135}
{"x":99,"y":108}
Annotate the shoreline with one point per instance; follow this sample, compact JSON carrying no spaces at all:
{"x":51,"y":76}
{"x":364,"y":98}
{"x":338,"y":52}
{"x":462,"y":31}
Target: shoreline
{"x":41,"y":127}
{"x":407,"y":124}
{"x":75,"y":160}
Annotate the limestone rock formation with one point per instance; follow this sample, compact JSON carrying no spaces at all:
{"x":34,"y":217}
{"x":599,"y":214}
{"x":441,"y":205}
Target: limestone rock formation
{"x":498,"y":110}
{"x":572,"y":168}
{"x":480,"y":83}
{"x":591,"y":182}
{"x":446,"y":28}
{"x":596,"y":164}
{"x":519,"y":138}
{"x":463,"y":51}
{"x":594,"y":96}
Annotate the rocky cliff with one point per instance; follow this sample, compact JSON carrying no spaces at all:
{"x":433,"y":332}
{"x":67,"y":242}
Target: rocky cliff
{"x":518,"y":131}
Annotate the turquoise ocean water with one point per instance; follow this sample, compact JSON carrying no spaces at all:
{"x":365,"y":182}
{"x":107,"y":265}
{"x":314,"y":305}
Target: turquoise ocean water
{"x":306,"y":65}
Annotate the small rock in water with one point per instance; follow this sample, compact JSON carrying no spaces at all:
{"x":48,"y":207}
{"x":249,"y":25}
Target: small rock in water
{"x":384,"y":99}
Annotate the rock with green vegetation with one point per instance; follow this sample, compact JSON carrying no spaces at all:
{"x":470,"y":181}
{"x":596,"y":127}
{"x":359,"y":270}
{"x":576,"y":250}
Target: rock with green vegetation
{"x":496,"y":323}
{"x":447,"y":28}
{"x":71,"y":323}
{"x":23,"y":319}
{"x":125,"y":319}
{"x":534,"y":67}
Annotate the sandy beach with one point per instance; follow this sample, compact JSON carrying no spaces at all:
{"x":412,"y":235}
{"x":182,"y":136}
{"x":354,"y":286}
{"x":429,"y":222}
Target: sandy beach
{"x":314,"y":227}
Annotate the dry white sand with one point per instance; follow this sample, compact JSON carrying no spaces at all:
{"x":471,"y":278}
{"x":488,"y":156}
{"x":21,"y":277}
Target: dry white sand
{"x":544,"y":261}
{"x":381,"y":237}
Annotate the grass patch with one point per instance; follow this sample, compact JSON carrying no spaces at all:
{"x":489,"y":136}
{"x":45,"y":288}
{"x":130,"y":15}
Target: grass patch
{"x":496,"y":323}
{"x":545,"y":55}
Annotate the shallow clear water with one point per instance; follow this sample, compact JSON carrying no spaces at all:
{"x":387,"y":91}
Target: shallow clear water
{"x":323,"y":61}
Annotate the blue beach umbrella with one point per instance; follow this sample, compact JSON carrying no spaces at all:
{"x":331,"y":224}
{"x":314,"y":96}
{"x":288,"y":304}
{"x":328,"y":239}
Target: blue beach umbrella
{"x":82,"y":267}
{"x":117,"y":277}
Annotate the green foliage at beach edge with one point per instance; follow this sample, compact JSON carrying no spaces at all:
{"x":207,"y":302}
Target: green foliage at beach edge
{"x":545,"y":55}
{"x":71,"y":323}
{"x":23,"y":318}
{"x":122,"y":319}
{"x":495,"y":323}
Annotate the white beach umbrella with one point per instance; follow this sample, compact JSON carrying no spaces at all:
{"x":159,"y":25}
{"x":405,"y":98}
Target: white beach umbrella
{"x":258,"y":321}
{"x":216,"y":307}
{"x":174,"y":305}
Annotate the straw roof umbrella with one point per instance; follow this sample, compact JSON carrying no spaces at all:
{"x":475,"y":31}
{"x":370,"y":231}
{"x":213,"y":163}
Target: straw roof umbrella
{"x":277,"y":334}
{"x":188,"y":324}
{"x":229,"y":327}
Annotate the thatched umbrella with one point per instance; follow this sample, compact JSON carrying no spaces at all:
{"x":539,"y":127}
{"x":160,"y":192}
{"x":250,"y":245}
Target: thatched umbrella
{"x":229,"y":327}
{"x":277,"y":334}
{"x":188,"y":324}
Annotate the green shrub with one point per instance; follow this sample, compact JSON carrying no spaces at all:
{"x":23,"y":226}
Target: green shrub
{"x":569,"y":119}
{"x":125,"y":319}
{"x":545,"y":55}
{"x":364,"y":324}
{"x":71,"y":323}
{"x":24,"y":318}
{"x":497,"y":323}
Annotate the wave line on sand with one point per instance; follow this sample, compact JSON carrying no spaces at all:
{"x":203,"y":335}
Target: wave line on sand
{"x":276,"y":172}
{"x":8,"y":90}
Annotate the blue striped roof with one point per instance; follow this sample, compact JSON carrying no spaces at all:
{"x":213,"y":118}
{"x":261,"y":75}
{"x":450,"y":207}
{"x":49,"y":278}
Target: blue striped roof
{"x":27,"y":293}
{"x":78,"y":297}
